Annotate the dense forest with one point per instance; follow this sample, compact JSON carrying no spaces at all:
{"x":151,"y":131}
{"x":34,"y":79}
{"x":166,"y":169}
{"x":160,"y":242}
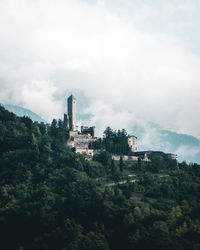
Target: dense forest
{"x":52,"y":198}
{"x":114,"y":142}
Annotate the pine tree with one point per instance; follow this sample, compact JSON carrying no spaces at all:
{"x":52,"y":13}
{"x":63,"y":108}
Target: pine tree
{"x":113,"y":167}
{"x":121,"y":164}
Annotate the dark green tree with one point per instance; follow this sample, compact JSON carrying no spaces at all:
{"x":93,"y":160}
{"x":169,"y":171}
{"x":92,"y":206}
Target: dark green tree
{"x":113,"y":167}
{"x":121,"y":164}
{"x":139,"y":163}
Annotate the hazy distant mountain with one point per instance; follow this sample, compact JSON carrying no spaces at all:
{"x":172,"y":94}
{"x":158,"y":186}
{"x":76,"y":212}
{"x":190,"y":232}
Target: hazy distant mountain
{"x":152,"y":137}
{"x":19,"y":111}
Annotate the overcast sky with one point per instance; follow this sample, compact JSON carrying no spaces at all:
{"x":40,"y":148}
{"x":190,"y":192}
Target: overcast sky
{"x":133,"y":60}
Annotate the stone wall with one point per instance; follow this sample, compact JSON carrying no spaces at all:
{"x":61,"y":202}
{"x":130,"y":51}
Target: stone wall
{"x":80,"y":142}
{"x":125,"y":158}
{"x":88,"y":130}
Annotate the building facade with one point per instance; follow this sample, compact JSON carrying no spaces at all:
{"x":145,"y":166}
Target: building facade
{"x":70,"y":117}
{"x":88,"y":130}
{"x":132,"y":142}
{"x":77,"y":141}
{"x":156,"y":154}
{"x":80,"y":141}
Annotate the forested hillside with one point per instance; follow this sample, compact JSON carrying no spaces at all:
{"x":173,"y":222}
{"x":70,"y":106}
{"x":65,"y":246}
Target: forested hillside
{"x":20,"y":111}
{"x":52,"y":198}
{"x":114,"y":142}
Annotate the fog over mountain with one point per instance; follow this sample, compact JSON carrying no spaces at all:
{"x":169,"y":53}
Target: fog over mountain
{"x":153,"y":137}
{"x":150,"y":135}
{"x":131,"y":61}
{"x":19,"y":111}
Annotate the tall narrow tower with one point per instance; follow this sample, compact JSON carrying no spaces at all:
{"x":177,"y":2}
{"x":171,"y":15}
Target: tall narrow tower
{"x":70,"y":118}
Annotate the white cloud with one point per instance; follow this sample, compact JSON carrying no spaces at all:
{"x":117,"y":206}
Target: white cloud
{"x":188,"y":152}
{"x":39,"y":96}
{"x":48,"y":47}
{"x":152,"y":138}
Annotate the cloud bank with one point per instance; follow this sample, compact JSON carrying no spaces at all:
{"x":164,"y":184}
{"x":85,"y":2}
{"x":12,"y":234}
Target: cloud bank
{"x":128,"y":74}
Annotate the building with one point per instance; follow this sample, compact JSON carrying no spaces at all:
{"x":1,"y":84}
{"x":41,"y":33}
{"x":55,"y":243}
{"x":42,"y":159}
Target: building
{"x":77,"y":141}
{"x":70,"y":117}
{"x":132,"y":142}
{"x":88,"y":130}
{"x":125,"y":157}
{"x":171,"y":156}
{"x":155,"y":154}
{"x":80,"y":141}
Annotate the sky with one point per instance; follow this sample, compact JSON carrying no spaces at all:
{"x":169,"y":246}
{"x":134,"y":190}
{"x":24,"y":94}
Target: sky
{"x":128,"y":61}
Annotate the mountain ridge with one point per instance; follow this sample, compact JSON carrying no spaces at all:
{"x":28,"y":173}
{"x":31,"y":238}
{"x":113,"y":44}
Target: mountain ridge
{"x":186,"y":146}
{"x":20,"y":111}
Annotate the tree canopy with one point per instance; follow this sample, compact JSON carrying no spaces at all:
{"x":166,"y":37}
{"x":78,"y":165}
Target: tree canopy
{"x":52,"y":198}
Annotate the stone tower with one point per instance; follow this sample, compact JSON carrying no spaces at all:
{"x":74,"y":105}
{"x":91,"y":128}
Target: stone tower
{"x":70,"y":117}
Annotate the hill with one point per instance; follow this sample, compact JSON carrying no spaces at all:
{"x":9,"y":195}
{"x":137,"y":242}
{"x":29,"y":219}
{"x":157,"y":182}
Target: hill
{"x":52,"y":198}
{"x":20,"y":111}
{"x":150,"y":136}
